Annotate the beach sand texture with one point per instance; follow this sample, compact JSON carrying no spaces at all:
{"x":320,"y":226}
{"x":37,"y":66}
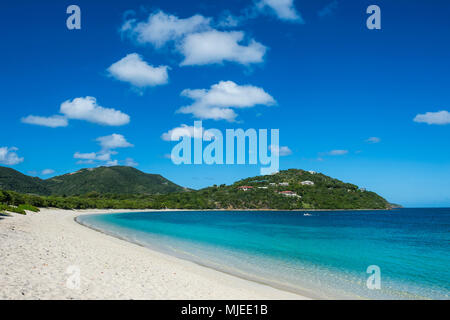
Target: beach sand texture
{"x":37,"y":251}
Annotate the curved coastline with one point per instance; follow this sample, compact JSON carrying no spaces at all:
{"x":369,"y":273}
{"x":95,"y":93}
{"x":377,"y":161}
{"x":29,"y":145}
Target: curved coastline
{"x":230,"y":244}
{"x":43,"y":247}
{"x":247,"y":277}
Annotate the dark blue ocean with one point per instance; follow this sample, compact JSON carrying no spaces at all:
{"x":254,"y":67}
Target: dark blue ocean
{"x":323,"y":255}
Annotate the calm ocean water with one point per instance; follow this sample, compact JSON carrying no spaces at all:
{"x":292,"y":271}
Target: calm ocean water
{"x":324,"y":255}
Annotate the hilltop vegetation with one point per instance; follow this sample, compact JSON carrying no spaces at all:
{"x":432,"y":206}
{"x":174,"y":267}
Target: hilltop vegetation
{"x":11,"y":179}
{"x":103,"y":180}
{"x":113,"y":180}
{"x":263,"y":192}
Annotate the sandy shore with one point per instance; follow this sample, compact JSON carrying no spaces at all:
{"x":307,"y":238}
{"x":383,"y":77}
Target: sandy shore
{"x":40,"y":252}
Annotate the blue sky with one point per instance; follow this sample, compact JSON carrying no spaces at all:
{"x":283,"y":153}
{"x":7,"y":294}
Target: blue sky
{"x":334,"y":84}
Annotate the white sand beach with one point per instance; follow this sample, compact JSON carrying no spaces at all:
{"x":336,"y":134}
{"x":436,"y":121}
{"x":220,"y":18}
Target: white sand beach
{"x":36,"y":251}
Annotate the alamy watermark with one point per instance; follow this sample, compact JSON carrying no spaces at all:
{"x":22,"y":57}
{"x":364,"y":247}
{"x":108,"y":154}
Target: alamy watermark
{"x":241,"y":147}
{"x":374,"y":280}
{"x":74,"y":20}
{"x":374,"y":20}
{"x":73,"y":282}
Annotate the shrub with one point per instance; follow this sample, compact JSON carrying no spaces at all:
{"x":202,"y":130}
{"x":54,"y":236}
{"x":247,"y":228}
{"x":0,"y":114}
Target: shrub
{"x":28,"y":207}
{"x":4,"y":207}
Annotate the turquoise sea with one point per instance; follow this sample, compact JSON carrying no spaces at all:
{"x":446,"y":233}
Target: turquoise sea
{"x":323,"y":255}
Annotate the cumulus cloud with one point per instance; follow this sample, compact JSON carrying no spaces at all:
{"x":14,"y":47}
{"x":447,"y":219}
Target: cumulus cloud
{"x":87,"y":109}
{"x":373,"y":140}
{"x":80,"y":109}
{"x":176,"y":133}
{"x":184,"y":130}
{"x":218,"y":46}
{"x":46,"y":172}
{"x":85,"y":156}
{"x":130,"y":162}
{"x":112,"y":163}
{"x":113,"y":141}
{"x":284,"y":9}
{"x":337,"y":152}
{"x":161,"y":28}
{"x":227,"y":20}
{"x":280,"y":150}
{"x":328,"y":10}
{"x":105,"y":155}
{"x":196,"y":39}
{"x":133,"y":69}
{"x":91,"y":156}
{"x":85,"y":162}
{"x":218,"y":102}
{"x":9,"y":156}
{"x":439,"y":118}
{"x":107,"y":144}
{"x":52,"y":122}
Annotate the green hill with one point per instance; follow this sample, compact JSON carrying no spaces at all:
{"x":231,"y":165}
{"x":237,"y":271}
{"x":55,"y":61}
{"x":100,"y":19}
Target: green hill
{"x":102,"y":180}
{"x":310,"y":190}
{"x":11,"y":179}
{"x":283,"y":190}
{"x":129,"y":188}
{"x":113,"y":180}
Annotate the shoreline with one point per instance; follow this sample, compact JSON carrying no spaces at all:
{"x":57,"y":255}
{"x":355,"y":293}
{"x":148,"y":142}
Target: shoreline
{"x":37,"y":249}
{"x":242,"y":276}
{"x":100,"y":211}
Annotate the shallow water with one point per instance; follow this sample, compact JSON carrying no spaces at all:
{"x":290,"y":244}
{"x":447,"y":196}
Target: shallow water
{"x":324,"y":255}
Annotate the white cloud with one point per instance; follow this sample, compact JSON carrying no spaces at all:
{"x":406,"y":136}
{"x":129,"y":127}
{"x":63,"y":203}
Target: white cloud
{"x":227,"y":20}
{"x":130,"y":162}
{"x":217,"y":102}
{"x":284,"y":9}
{"x":46,"y":172}
{"x":85,"y":162}
{"x":52,"y":122}
{"x":281,"y":151}
{"x":139,"y":73}
{"x":113,"y":141}
{"x":161,"y":28}
{"x":112,"y":163}
{"x":87,"y":109}
{"x":440,"y":117}
{"x":9,"y":156}
{"x":85,"y":156}
{"x":337,"y":152}
{"x":97,"y":156}
{"x":219,"y":46}
{"x":195,"y":38}
{"x":329,"y":9}
{"x":373,"y":140}
{"x":80,"y":109}
{"x":182,"y":131}
{"x":105,"y":155}
{"x":107,"y":143}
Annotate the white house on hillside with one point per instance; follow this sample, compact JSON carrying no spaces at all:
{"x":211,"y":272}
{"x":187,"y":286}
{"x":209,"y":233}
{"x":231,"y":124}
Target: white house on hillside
{"x":289,"y":194}
{"x":307,"y":183}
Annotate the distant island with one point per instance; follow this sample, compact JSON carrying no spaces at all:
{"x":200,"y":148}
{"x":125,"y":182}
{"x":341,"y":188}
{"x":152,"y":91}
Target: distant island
{"x":121,"y":187}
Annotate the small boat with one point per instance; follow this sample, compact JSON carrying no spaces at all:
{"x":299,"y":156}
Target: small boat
{"x":307,"y":214}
